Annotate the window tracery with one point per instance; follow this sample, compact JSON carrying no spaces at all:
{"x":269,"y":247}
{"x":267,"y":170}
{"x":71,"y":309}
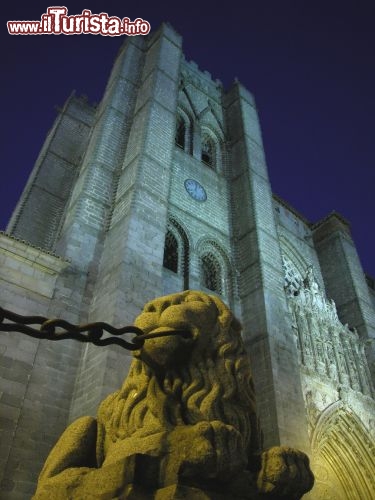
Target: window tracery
{"x":180,"y":137}
{"x":293,"y":278}
{"x":211,"y":273}
{"x":176,"y":251}
{"x":208,"y":152}
{"x":170,"y":259}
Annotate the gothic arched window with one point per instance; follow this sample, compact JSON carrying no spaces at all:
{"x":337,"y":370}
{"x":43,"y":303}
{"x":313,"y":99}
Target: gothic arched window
{"x":180,"y":132}
{"x":176,"y":251}
{"x":208,"y":152}
{"x":293,"y":279}
{"x":170,"y":259}
{"x":211,"y":273}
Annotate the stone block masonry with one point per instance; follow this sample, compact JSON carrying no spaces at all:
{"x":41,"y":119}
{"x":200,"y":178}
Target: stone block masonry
{"x":106,"y":190}
{"x":39,"y":212}
{"x":35,"y":384}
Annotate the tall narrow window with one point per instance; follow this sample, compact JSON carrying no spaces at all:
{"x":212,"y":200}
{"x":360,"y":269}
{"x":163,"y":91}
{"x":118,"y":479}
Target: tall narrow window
{"x":208,"y":152}
{"x":180,"y":133}
{"x":170,"y":260}
{"x":176,"y":251}
{"x":211,"y":273}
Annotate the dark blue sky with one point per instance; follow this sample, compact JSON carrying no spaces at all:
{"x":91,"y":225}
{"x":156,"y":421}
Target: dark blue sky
{"x":310,"y":65}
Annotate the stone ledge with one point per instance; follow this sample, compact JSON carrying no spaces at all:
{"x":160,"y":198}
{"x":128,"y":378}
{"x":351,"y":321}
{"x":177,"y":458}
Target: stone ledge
{"x":33,"y":255}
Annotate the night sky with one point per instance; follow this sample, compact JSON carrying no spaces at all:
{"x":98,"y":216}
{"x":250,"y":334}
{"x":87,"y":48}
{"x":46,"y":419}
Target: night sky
{"x":310,"y":65}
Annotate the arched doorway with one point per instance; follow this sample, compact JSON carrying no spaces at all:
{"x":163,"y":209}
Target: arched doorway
{"x":343,"y":456}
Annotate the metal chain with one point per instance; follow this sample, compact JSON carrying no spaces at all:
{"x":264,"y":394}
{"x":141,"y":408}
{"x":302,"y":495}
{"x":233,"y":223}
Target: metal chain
{"x":59,"y":329}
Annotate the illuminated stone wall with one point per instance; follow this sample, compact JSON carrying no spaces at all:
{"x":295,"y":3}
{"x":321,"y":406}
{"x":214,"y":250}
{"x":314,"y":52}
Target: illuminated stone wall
{"x":169,"y":155}
{"x":335,"y":371}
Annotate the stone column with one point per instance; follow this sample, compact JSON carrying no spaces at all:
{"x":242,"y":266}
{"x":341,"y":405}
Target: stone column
{"x":268,"y":325}
{"x":345,"y":280}
{"x":131,"y":260}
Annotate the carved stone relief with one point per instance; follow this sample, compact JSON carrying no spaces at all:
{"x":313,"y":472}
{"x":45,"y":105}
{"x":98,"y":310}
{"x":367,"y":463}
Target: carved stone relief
{"x":337,"y":389}
{"x":326,"y":346}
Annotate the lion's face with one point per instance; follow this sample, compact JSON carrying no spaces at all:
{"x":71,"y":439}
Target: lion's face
{"x":191,"y":317}
{"x":201,"y":375}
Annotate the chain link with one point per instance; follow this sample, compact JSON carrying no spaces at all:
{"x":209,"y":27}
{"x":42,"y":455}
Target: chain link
{"x":59,"y":329}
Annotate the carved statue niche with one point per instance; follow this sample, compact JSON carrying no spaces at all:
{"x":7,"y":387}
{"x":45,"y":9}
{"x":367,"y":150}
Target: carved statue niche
{"x":184,"y":423}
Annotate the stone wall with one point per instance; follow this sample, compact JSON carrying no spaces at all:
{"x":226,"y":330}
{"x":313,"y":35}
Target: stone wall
{"x":38,"y":215}
{"x":113,"y":183}
{"x":37,"y":377}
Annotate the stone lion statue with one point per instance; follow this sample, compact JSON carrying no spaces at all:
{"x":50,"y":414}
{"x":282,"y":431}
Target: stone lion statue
{"x":184,"y":423}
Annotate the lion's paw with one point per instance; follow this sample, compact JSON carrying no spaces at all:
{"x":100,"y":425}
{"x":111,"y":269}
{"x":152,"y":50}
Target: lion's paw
{"x":285,"y":473}
{"x":207,"y":449}
{"x":229,"y":448}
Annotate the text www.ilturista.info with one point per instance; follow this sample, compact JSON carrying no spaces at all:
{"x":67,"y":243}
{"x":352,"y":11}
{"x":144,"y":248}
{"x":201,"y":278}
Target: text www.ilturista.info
{"x":57,"y":22}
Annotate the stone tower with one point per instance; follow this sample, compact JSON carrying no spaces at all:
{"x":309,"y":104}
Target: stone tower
{"x":163,"y":187}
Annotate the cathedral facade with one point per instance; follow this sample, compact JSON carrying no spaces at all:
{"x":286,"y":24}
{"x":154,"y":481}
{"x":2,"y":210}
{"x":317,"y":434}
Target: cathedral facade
{"x":164,"y":187}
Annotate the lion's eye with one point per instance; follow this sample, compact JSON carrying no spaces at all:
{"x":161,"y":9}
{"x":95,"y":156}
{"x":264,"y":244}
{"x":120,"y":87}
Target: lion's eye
{"x":194,"y":297}
{"x":150,"y":308}
{"x":164,"y":306}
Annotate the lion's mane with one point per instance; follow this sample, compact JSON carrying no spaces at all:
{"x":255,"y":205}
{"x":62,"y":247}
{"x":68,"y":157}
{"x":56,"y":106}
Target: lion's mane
{"x":216,"y":384}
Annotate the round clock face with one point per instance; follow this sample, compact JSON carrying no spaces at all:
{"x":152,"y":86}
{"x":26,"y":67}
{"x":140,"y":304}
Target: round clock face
{"x":195,"y":190}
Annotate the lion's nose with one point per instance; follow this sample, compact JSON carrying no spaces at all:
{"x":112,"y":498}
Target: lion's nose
{"x":158,"y":306}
